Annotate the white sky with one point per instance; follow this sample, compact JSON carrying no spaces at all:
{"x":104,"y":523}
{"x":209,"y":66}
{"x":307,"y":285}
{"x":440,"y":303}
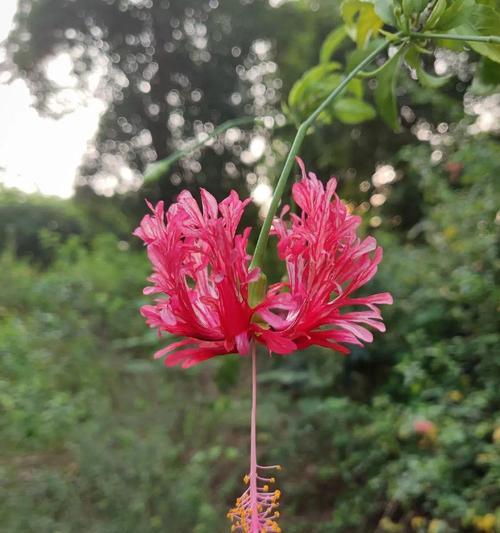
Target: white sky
{"x":42,"y":154}
{"x":39,"y":153}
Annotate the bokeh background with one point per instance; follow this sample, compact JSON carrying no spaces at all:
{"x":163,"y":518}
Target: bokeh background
{"x":401,"y":436}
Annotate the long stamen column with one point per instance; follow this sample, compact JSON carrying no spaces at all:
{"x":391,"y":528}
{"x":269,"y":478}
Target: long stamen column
{"x":256,"y":509}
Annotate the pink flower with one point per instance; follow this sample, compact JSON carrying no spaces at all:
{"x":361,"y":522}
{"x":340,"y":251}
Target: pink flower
{"x":203,"y":283}
{"x":326,"y":263}
{"x":424,"y":427}
{"x":202,"y":277}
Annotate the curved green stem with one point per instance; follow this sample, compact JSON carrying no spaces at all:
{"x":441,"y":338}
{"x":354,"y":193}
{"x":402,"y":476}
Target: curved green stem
{"x":363,"y":74}
{"x":160,"y":167}
{"x":294,"y":150}
{"x":454,"y":37}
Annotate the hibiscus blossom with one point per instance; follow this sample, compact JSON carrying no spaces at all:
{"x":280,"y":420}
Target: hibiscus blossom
{"x":326,"y":263}
{"x":202,"y":277}
{"x":206,"y":294}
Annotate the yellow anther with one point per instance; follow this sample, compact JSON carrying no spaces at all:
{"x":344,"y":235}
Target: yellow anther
{"x":241,"y":515}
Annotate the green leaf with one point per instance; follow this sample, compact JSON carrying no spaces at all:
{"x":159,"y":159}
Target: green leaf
{"x":385,"y":93}
{"x":487,"y":78}
{"x":426,"y":80}
{"x":353,"y":111}
{"x":489,"y":71}
{"x":356,"y":88}
{"x":355,"y":57}
{"x":316,"y":84}
{"x":361,"y":20}
{"x":429,"y":80}
{"x":483,"y":20}
{"x":435,"y":15}
{"x":495,"y":4}
{"x":309,"y":78}
{"x":333,"y":40}
{"x":458,"y":13}
{"x":407,"y":8}
{"x":385,"y":10}
{"x":413,"y":6}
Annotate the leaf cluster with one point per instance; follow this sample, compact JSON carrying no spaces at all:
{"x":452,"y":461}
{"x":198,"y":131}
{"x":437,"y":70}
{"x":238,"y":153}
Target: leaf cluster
{"x":405,"y":24}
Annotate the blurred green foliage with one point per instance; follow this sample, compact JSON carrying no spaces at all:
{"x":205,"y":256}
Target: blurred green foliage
{"x":33,"y":226}
{"x":438,"y":362}
{"x":368,"y":23}
{"x":23,"y":216}
{"x":97,"y":437}
{"x":403,"y":436}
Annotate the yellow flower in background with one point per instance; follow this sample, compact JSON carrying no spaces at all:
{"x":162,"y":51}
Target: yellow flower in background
{"x":485,"y":523}
{"x":418,"y":522}
{"x":387,"y":525}
{"x":436,"y":526}
{"x":450,"y":232}
{"x":485,"y":458}
{"x":455,"y":395}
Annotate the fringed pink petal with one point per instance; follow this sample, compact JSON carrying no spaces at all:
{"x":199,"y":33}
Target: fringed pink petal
{"x":171,"y":347}
{"x":277,"y":343}
{"x":200,"y":273}
{"x":326,"y":263}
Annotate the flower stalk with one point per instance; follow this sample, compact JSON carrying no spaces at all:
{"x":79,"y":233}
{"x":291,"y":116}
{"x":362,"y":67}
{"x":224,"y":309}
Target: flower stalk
{"x":253,"y":444}
{"x":256,"y":510}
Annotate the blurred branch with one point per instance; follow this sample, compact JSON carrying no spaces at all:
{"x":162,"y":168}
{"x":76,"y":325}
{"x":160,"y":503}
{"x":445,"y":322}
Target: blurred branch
{"x":453,"y":37}
{"x":160,"y":168}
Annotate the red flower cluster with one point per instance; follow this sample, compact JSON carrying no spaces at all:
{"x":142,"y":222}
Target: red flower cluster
{"x":202,"y":277}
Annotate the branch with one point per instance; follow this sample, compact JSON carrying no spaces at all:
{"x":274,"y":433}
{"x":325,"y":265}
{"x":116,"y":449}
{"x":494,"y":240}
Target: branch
{"x":159,"y":168}
{"x":294,"y":150}
{"x":453,"y":37}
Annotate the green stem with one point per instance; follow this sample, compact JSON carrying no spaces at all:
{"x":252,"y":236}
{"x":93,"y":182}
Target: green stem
{"x":294,"y":150}
{"x":370,"y":73}
{"x":159,"y":168}
{"x":453,"y":37}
